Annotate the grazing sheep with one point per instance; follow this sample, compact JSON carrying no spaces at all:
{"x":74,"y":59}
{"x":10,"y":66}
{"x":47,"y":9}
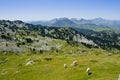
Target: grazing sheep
{"x":74,"y":63}
{"x":29,"y":63}
{"x":119,"y":77}
{"x":88,"y":71}
{"x":109,"y":54}
{"x":65,"y":65}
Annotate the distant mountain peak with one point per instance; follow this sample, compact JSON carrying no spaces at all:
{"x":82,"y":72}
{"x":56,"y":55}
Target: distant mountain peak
{"x":74,"y":18}
{"x":73,"y":22}
{"x":64,"y":18}
{"x":99,"y":18}
{"x":63,"y":22}
{"x":82,"y":19}
{"x":18,"y":21}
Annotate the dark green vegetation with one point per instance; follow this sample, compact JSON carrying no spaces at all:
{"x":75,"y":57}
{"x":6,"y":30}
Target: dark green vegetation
{"x":17,"y":36}
{"x":49,"y":48}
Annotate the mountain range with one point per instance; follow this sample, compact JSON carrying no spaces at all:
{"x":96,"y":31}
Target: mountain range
{"x":93,"y":24}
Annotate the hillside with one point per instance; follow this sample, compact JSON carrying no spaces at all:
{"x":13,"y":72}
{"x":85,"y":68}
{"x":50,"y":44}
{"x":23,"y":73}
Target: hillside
{"x":23,"y":36}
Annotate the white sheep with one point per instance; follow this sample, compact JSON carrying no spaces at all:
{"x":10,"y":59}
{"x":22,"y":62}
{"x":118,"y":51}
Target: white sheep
{"x":109,"y":54}
{"x":74,"y":63}
{"x":119,"y":77}
{"x":88,"y":71}
{"x":29,"y":63}
{"x":65,"y":65}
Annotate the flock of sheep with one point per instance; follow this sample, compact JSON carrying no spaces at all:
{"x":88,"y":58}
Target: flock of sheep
{"x":74,"y":63}
{"x":88,"y":70}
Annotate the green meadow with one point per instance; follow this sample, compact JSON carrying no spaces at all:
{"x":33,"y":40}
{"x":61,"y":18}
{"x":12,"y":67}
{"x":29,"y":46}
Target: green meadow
{"x":48,"y":65}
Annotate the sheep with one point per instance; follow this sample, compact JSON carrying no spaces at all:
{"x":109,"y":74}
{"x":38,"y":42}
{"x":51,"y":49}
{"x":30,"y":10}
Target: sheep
{"x":74,"y":63}
{"x":109,"y":54}
{"x":65,"y":65}
{"x":29,"y":63}
{"x":119,"y":77}
{"x":88,"y":71}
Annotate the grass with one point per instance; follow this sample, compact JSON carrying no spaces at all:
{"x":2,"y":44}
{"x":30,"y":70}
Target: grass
{"x":103,"y":67}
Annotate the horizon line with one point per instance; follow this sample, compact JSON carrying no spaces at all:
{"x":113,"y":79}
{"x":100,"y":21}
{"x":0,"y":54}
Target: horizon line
{"x":28,"y":20}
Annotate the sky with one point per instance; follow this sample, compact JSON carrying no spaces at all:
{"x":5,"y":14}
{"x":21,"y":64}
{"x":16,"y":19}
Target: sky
{"x":29,"y":10}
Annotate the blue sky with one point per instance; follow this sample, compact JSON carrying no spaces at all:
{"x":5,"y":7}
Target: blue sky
{"x":49,"y":9}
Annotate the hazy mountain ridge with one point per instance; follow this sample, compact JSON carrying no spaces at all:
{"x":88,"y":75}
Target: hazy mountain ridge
{"x":98,"y":23}
{"x":62,"y":22}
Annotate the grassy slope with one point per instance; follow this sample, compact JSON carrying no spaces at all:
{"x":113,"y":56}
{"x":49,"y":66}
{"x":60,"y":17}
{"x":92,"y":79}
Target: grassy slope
{"x":102,"y":66}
